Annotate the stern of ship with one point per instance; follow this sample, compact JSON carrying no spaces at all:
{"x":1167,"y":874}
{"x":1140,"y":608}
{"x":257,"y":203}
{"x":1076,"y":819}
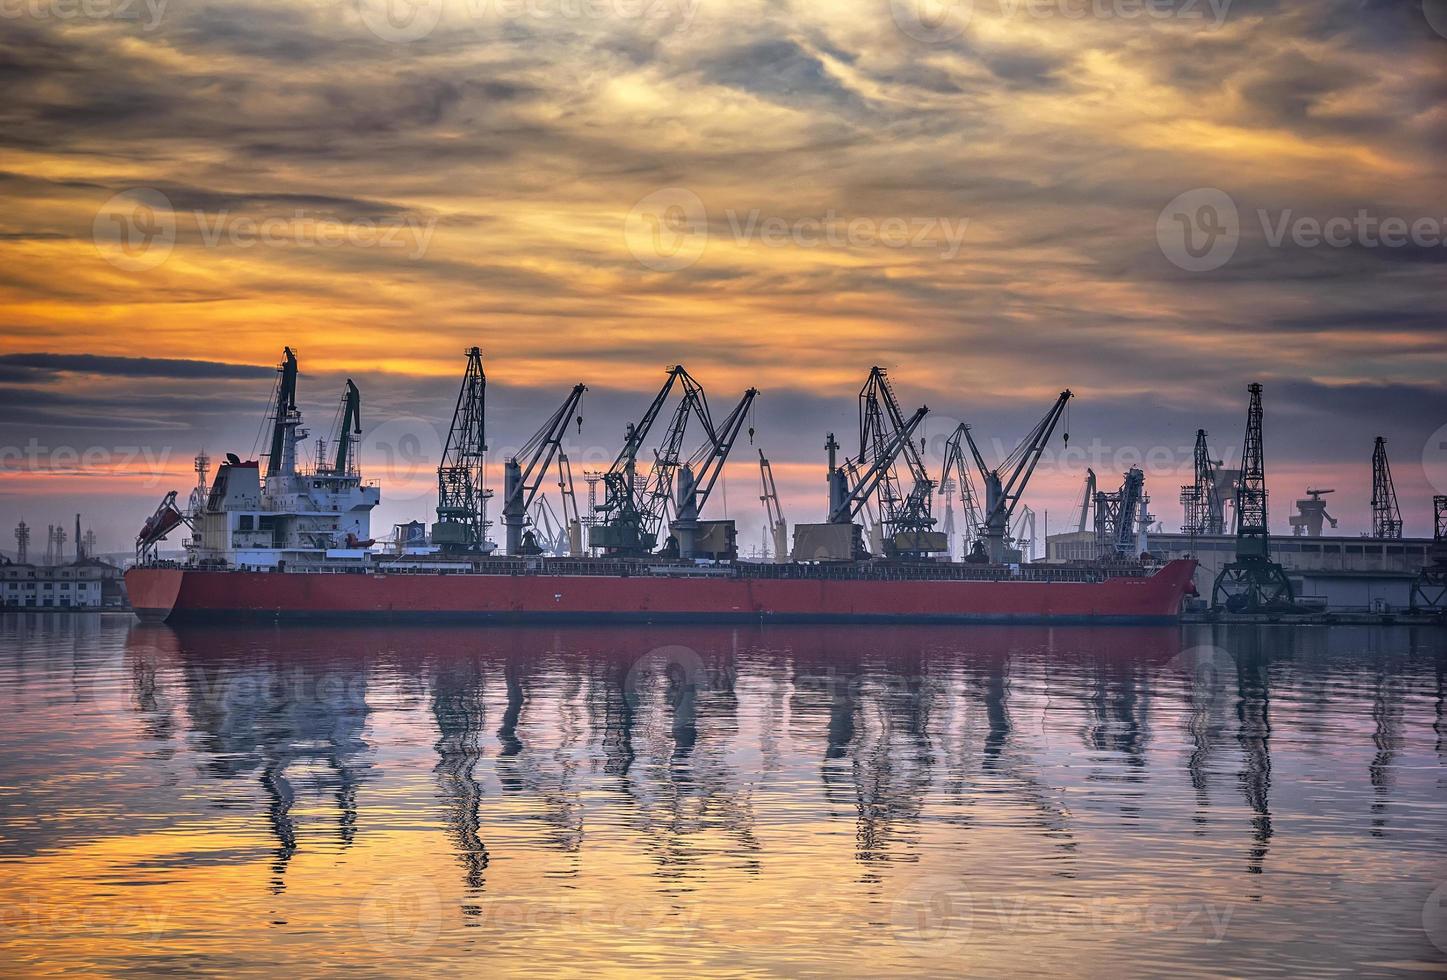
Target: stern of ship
{"x":152,"y":591}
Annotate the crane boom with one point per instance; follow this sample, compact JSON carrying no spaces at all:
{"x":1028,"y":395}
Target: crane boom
{"x":853,"y":499}
{"x":1003,"y":494}
{"x":521,"y":481}
{"x":348,"y":430}
{"x":773,"y":510}
{"x":460,"y":492}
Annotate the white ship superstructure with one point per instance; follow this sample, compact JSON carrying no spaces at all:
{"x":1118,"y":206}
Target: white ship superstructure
{"x":289,"y":512}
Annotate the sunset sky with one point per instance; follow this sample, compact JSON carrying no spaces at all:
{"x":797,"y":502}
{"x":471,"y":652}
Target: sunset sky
{"x":988,"y":199}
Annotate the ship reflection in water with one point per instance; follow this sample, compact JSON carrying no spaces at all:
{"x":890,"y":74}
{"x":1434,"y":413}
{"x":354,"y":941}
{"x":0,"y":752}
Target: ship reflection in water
{"x":829,"y":800}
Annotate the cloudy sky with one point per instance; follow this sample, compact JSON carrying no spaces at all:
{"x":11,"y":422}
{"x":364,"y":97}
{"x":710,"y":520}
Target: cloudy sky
{"x":1152,"y":204}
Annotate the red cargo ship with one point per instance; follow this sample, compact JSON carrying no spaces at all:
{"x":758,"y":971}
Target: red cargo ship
{"x":506,"y":590}
{"x":292,"y":540}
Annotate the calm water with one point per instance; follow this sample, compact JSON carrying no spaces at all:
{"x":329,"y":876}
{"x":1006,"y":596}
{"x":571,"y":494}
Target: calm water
{"x":802,"y":801}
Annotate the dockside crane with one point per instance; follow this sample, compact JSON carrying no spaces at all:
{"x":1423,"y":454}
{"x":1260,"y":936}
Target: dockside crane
{"x":778,"y":528}
{"x":852,"y":485}
{"x":956,"y":477}
{"x":697,"y":476}
{"x":572,"y":519}
{"x":1252,"y":582}
{"x":1201,"y":499}
{"x":905,"y":499}
{"x":1005,"y":484}
{"x":461,"y":525}
{"x":523,"y":474}
{"x":1086,"y":499}
{"x":1429,"y":589}
{"x":1117,"y":515}
{"x":631,"y":510}
{"x":1386,"y":515}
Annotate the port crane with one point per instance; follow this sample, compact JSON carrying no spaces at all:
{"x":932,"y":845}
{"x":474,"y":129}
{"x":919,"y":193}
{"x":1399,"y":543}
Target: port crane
{"x":1117,"y":515}
{"x":632,"y":510}
{"x":852,"y":485}
{"x":1006,"y":483}
{"x":1252,"y":582}
{"x":1087,"y":497}
{"x":521,"y":480}
{"x":1311,"y":514}
{"x":697,"y":476}
{"x":956,"y":476}
{"x":905,"y":499}
{"x":1201,"y":499}
{"x":461,"y":522}
{"x":1386,"y":515}
{"x":778,"y":528}
{"x":1429,"y":590}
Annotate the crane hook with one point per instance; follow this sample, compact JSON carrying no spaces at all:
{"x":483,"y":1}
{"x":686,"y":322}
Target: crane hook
{"x":751,"y":435}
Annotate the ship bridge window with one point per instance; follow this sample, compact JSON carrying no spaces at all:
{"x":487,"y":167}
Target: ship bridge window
{"x":244,"y":522}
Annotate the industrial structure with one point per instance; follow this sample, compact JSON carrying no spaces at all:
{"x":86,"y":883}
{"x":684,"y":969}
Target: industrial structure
{"x":1201,"y":499}
{"x":776,"y":528}
{"x":1253,"y":582}
{"x":461,"y":492}
{"x":1006,"y":483}
{"x":1311,"y":515}
{"x":1117,"y":515}
{"x":522,"y":481}
{"x":1429,"y":589}
{"x":1386,"y":515}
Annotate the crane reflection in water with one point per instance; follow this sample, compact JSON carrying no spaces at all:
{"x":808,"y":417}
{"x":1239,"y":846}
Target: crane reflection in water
{"x":680,"y":753}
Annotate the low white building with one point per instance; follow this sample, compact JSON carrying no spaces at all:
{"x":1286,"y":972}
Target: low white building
{"x":88,"y":584}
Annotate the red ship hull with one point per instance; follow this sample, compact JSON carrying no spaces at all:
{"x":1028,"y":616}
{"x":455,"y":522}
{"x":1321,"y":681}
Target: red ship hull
{"x":158,"y":593}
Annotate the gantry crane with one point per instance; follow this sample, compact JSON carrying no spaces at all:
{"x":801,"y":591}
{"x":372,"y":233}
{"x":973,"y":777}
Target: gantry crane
{"x":1002,"y":492}
{"x":522,"y":480}
{"x":697,"y":476}
{"x":956,"y":476}
{"x":1429,"y":590}
{"x":461,"y":521}
{"x":1386,"y":515}
{"x":632,"y":510}
{"x":1201,"y":499}
{"x":1252,"y":582}
{"x":1117,"y":515}
{"x":905,"y":499}
{"x":778,"y":528}
{"x":851,"y":486}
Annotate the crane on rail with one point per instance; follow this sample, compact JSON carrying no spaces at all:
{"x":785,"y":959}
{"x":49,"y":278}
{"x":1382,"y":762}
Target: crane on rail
{"x":632,"y":510}
{"x":778,"y":528}
{"x":1086,"y":500}
{"x":1386,"y":515}
{"x":521,"y":481}
{"x":461,"y":496}
{"x":905,"y":498}
{"x":697,"y":476}
{"x":1252,"y":582}
{"x":956,"y":476}
{"x":1005,"y":484}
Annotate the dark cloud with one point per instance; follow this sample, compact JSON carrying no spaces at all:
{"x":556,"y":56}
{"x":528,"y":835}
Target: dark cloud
{"x":134,"y":367}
